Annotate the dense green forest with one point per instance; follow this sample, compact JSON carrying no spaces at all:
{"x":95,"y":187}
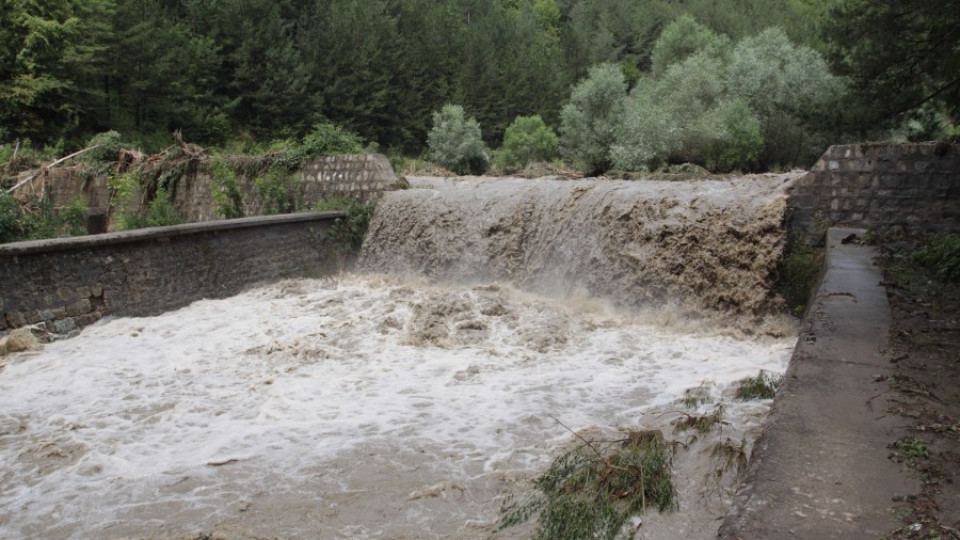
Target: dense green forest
{"x":631,"y":84}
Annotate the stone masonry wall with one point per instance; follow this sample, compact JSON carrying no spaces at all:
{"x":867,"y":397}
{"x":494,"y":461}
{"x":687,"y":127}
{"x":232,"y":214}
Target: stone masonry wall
{"x":879,"y":185}
{"x":360,"y":177}
{"x":72,"y":282}
{"x":65,"y":185}
{"x":364,"y":177}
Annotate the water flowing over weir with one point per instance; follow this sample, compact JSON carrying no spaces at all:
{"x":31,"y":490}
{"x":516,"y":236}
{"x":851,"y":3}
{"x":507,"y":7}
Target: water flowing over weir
{"x":411,"y":400}
{"x":712,"y":245}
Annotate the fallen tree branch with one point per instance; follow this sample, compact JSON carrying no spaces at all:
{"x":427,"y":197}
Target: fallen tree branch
{"x":45,"y":168}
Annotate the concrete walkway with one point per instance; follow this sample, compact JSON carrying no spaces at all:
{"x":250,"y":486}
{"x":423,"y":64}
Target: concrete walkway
{"x":820,"y":470}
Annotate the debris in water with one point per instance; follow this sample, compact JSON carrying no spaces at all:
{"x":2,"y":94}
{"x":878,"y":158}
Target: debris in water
{"x":19,"y":340}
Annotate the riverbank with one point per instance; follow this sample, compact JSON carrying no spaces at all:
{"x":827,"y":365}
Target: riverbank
{"x":862,"y":440}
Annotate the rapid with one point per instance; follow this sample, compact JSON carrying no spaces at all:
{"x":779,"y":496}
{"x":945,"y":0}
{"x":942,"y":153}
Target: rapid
{"x":487,"y":320}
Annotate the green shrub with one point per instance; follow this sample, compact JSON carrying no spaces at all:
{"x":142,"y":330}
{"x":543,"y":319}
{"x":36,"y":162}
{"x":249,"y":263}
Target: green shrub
{"x":17,"y":156}
{"x":345,"y":237}
{"x":71,"y":220}
{"x":593,"y":490}
{"x":526,"y":140}
{"x":350,"y":231}
{"x":280,"y":191}
{"x":941,"y":256}
{"x":125,"y":201}
{"x":326,"y":139}
{"x":13,"y":223}
{"x":108,"y":146}
{"x":227,"y":199}
{"x":36,"y":219}
{"x":592,"y":119}
{"x":160,"y":212}
{"x":456,"y":142}
{"x":129,"y":210}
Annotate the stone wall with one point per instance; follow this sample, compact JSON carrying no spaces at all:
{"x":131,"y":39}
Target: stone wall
{"x":66,"y":184}
{"x":71,"y":282}
{"x":879,"y":185}
{"x":360,"y":177}
{"x":364,"y":177}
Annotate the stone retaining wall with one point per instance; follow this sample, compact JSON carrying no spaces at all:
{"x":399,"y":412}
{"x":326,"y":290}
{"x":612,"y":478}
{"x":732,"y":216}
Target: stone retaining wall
{"x":68,"y":283}
{"x":363,"y":177}
{"x":360,"y":177}
{"x":879,"y":185}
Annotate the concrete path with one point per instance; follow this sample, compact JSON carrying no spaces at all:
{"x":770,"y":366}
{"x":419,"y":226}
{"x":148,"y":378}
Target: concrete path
{"x":820,"y":470}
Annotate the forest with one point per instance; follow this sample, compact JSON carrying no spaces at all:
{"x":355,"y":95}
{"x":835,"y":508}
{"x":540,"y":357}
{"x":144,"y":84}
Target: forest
{"x":748,"y":85}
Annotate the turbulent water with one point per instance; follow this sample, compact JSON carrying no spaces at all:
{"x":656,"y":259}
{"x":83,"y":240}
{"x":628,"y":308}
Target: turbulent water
{"x":407,"y":405}
{"x":712,"y":245}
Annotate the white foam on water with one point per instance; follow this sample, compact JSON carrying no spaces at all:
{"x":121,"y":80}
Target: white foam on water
{"x":297,"y":397}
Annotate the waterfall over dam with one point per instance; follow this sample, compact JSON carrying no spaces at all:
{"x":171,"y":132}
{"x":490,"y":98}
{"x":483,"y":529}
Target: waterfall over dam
{"x":707,"y":245}
{"x":488,"y":319}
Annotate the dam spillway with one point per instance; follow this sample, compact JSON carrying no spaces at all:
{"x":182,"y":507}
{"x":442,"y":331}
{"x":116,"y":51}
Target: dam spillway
{"x":408,"y":400}
{"x":712,"y":245}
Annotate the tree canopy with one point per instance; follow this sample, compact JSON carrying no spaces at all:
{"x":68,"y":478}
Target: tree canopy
{"x":260,"y":70}
{"x":901,"y":55}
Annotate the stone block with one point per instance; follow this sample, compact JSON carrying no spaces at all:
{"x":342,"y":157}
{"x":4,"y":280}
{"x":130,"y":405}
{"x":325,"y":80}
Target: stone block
{"x":64,"y":326}
{"x":944,"y":181}
{"x":15,"y":319}
{"x":79,"y":308}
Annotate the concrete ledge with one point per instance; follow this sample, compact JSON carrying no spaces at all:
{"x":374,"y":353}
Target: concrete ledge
{"x":151,"y":233}
{"x":820,"y":469}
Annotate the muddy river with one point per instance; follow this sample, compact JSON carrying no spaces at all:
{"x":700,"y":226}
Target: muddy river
{"x":406,"y":400}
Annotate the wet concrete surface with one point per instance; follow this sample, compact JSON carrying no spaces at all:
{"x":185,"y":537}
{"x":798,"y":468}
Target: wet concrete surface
{"x":821,"y":467}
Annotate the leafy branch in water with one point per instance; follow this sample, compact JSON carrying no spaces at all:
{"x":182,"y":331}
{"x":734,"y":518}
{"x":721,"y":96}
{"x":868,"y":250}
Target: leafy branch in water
{"x":593,"y":490}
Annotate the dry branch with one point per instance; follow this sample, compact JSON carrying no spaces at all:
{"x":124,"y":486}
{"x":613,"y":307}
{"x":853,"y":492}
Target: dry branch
{"x":43,"y":169}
